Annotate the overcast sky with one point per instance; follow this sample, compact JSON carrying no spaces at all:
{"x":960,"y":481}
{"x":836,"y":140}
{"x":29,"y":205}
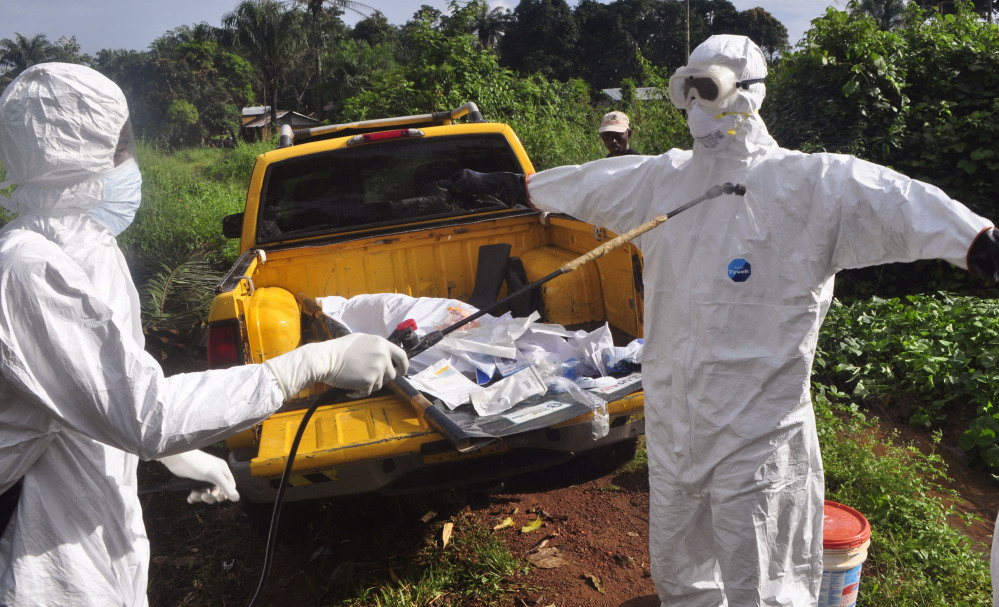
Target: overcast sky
{"x":134,"y":24}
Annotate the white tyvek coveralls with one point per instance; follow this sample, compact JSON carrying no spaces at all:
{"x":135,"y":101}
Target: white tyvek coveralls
{"x":80,"y":400}
{"x":736,"y":289}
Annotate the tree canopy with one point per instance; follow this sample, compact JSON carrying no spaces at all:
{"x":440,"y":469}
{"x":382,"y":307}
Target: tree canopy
{"x":923,"y":97}
{"x":190,"y":84}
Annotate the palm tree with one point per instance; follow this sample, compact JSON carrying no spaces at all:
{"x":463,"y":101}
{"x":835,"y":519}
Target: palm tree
{"x":116,"y":63}
{"x":489,"y":24}
{"x":317,"y":42}
{"x":268,"y":34}
{"x":21,"y":53}
{"x":315,"y":7}
{"x":887,"y":14}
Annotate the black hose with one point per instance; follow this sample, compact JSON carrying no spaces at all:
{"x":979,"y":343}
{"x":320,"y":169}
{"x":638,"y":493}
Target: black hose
{"x":272,"y":532}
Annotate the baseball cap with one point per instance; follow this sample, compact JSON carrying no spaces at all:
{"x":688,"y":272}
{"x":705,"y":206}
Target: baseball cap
{"x":616,"y":122}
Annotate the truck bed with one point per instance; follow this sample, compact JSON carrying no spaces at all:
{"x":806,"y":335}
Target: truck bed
{"x":306,"y":234}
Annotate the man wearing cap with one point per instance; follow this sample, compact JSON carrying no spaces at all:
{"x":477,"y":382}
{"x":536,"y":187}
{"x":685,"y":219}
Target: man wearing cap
{"x":615,"y":133}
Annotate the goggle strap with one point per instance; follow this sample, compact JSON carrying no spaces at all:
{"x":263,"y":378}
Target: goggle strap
{"x":745,"y":84}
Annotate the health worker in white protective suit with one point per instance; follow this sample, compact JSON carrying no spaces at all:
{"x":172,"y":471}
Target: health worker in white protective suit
{"x":735,"y":292}
{"x":80,"y":400}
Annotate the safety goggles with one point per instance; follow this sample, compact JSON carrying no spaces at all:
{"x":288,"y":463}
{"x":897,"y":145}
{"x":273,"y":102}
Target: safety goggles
{"x":713,"y":86}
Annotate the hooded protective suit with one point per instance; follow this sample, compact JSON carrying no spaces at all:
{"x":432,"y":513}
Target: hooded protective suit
{"x":735,"y":292}
{"x":80,"y":400}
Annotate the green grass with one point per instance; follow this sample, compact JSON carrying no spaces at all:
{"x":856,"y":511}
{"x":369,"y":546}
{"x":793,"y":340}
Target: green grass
{"x":474,"y":568}
{"x":185,"y":195}
{"x":175,"y":247}
{"x":919,"y":554}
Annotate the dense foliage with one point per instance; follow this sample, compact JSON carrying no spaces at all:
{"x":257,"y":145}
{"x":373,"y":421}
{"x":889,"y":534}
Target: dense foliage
{"x":923,"y":98}
{"x":932,"y":359}
{"x":189,"y":86}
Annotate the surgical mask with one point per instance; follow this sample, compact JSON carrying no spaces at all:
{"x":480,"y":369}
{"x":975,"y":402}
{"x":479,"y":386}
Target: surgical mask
{"x":121,"y":197}
{"x":715,"y":131}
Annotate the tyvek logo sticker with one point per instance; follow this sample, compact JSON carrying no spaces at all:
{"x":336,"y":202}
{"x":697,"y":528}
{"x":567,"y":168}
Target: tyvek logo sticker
{"x":739,"y":270}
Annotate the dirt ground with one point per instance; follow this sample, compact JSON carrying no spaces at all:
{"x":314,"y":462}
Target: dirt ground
{"x":590,"y":550}
{"x":595,"y":527}
{"x":596,"y":531}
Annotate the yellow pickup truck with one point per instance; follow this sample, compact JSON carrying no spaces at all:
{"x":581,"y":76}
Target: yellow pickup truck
{"x":355,"y":209}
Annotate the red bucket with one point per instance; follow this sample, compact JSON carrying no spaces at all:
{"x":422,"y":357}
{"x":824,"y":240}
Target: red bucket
{"x":846,"y":534}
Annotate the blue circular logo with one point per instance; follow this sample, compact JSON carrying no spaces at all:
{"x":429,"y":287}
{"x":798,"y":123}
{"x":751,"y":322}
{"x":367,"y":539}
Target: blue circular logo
{"x":739,"y":270}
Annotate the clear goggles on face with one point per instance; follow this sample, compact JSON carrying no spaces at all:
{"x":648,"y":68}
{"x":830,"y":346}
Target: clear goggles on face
{"x":712,"y":86}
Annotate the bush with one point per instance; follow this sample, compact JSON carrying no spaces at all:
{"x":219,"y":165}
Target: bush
{"x":923,"y":98}
{"x":933,"y":357}
{"x":919,"y":554}
{"x":843,"y":91}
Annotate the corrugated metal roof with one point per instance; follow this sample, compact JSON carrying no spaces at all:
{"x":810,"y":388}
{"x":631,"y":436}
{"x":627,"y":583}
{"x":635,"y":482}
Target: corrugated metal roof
{"x":283,"y":117}
{"x":644,"y":93}
{"x":256,"y":110}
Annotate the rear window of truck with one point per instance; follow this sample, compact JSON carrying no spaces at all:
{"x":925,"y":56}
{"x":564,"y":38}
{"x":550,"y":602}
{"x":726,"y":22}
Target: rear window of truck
{"x":376,"y":185}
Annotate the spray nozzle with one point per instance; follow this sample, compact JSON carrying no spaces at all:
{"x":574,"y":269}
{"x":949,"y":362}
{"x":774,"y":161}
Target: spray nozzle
{"x":405,"y":335}
{"x":734,"y":188}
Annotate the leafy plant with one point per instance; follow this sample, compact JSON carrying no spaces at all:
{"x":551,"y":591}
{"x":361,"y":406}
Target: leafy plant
{"x":921,"y":98}
{"x":931,"y":356}
{"x":177,"y":294}
{"x":843,"y":91}
{"x":982,"y":436}
{"x":919,"y":553}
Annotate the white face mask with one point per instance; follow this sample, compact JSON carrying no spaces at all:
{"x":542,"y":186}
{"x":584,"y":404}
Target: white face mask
{"x":714,"y":130}
{"x":121,"y":198}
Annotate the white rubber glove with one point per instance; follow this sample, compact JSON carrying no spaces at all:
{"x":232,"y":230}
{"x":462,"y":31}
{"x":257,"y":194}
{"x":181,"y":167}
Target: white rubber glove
{"x":358,"y":362}
{"x":202,"y":466}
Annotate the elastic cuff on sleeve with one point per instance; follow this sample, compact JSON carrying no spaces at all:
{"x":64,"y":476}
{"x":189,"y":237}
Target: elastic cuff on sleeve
{"x":983,"y":255}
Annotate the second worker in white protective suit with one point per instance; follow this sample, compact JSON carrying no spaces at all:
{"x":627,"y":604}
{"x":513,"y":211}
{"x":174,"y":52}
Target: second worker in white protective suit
{"x":80,"y":400}
{"x":735,"y":293}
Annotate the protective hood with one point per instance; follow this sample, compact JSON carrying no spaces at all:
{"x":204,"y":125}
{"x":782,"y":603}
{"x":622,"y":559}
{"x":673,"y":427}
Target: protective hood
{"x":746,"y":60}
{"x":60,"y":124}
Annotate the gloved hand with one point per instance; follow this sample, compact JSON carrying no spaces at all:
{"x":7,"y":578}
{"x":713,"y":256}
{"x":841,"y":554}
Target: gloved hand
{"x":983,"y":257}
{"x":201,"y":466}
{"x":508,"y":187}
{"x":358,"y":362}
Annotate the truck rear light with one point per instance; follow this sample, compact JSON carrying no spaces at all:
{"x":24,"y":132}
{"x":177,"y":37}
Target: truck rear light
{"x":385,"y":135}
{"x":225,"y":348}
